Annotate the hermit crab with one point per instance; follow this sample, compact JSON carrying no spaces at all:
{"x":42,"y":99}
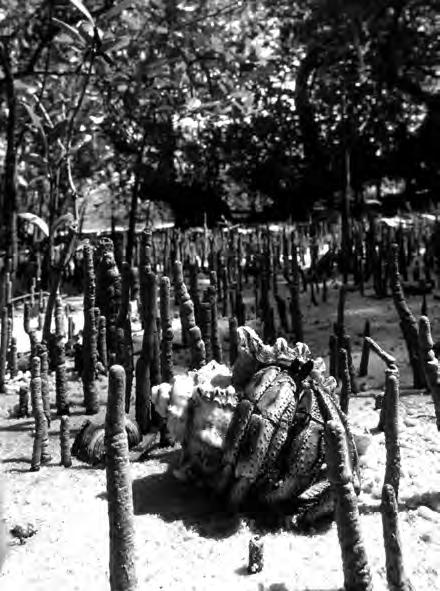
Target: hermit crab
{"x":255,"y":435}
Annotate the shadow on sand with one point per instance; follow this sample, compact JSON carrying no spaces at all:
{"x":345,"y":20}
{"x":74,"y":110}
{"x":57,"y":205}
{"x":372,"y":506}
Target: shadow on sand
{"x":172,"y":500}
{"x":18,"y":460}
{"x":25,"y":425}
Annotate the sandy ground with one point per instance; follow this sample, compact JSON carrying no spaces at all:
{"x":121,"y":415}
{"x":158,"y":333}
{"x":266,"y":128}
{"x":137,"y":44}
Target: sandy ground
{"x":183,"y":540}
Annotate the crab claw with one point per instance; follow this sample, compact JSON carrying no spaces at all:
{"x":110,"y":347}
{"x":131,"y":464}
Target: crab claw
{"x":259,"y":383}
{"x":254,"y":447}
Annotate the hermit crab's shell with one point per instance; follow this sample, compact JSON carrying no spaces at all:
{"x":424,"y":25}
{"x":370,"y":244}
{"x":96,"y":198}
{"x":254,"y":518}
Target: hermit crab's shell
{"x":213,"y":403}
{"x":201,"y":392}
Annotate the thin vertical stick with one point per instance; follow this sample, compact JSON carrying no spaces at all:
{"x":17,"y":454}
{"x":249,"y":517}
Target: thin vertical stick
{"x":295,"y":306}
{"x":396,"y":577}
{"x":345,"y":343}
{"x":45,"y":390}
{"x":183,"y":299}
{"x":217,"y":352}
{"x":357,"y":575}
{"x":233,"y":340}
{"x":124,"y":336}
{"x":23,"y":404}
{"x":13,"y":357}
{"x":61,"y":400}
{"x":66,"y":458}
{"x":119,"y":487}
{"x":365,"y":356}
{"x":3,"y":349}
{"x":108,"y":292}
{"x":431,"y":364}
{"x":102,"y":341}
{"x":333,"y":355}
{"x":197,"y":346}
{"x":39,"y":453}
{"x":408,"y":322}
{"x":345,"y":379}
{"x":147,"y":356}
{"x":391,"y":428}
{"x":206,"y":323}
{"x":340,"y":322}
{"x":167,"y":367}
{"x":27,"y":318}
{"x":90,"y":350}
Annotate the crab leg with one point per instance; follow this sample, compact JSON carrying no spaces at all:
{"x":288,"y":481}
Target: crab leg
{"x":255,"y":444}
{"x":306,"y":454}
{"x":270,"y":465}
{"x":331,"y":411}
{"x":235,"y":434}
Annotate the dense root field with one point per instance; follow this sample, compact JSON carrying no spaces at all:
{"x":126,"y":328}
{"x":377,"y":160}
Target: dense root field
{"x":186,"y":542}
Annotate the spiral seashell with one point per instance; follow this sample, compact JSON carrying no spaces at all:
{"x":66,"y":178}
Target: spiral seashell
{"x":89,"y":446}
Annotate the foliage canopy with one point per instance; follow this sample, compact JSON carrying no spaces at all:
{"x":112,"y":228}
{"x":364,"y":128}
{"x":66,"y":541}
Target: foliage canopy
{"x":207,"y":104}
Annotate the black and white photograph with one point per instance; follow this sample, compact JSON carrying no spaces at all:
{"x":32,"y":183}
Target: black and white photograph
{"x":219,"y":295}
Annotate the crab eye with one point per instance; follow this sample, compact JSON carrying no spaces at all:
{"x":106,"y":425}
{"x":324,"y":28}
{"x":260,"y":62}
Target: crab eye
{"x":294,"y":367}
{"x":305,"y":370}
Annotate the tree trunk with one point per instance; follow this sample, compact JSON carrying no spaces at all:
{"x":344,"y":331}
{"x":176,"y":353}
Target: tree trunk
{"x":9,"y":205}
